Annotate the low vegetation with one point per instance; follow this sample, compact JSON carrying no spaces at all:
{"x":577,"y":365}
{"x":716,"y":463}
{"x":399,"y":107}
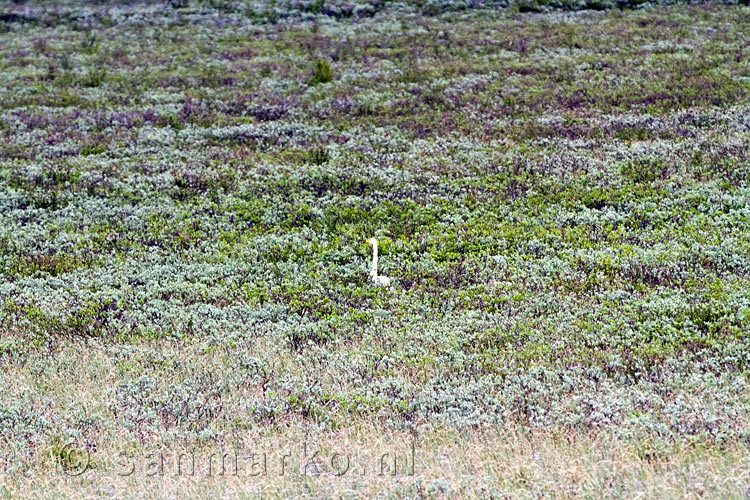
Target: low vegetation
{"x":561,"y":201}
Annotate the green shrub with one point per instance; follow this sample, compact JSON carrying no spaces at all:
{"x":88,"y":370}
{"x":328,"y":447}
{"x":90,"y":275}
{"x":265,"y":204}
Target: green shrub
{"x":92,"y":150}
{"x":94,"y":78}
{"x":318,"y":156}
{"x":322,"y":72}
{"x":644,"y":170}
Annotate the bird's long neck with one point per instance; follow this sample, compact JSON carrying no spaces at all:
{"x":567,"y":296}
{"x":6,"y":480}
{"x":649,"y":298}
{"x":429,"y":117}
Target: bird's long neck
{"x":374,"y":270}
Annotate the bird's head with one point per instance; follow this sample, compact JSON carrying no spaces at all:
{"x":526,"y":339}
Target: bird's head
{"x":371,"y":241}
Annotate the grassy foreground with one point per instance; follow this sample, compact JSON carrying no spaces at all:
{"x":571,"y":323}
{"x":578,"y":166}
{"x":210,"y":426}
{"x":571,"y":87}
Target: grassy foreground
{"x":562,"y":201}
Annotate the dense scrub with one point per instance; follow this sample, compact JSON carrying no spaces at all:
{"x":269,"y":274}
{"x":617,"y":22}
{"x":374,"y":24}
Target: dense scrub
{"x":561,"y":199}
{"x":276,"y":10}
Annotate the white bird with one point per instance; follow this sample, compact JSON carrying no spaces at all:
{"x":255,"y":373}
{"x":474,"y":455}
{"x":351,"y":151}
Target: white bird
{"x":378,"y":280}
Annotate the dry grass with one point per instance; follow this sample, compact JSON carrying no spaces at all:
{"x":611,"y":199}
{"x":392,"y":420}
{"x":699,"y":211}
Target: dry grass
{"x":430,"y":464}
